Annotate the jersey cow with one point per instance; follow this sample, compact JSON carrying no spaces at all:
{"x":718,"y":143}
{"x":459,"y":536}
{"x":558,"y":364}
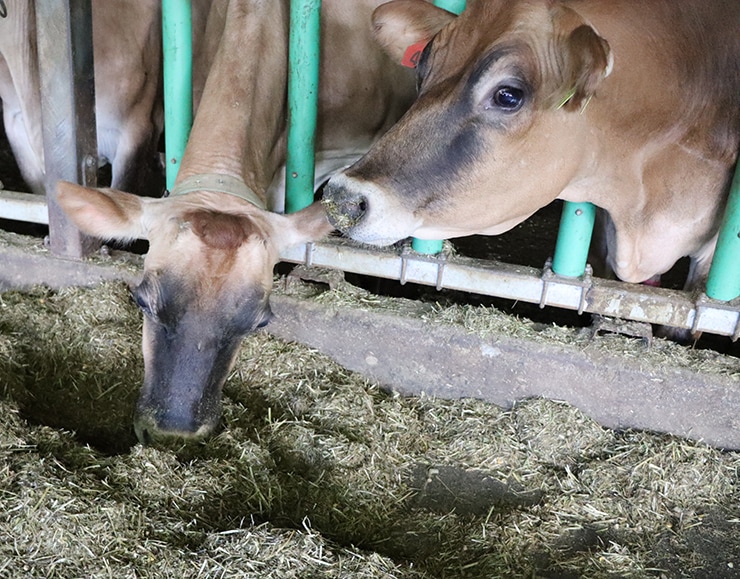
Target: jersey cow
{"x":127,"y":52}
{"x":633,"y":106}
{"x":212,"y":243}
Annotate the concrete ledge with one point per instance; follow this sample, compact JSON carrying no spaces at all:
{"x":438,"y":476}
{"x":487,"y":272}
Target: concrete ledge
{"x":412,"y":356}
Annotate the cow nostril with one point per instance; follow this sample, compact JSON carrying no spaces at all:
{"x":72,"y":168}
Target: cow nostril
{"x":346,"y":210}
{"x":143,"y":434}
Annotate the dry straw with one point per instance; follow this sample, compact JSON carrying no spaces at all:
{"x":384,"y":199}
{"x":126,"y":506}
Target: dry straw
{"x":318,"y":472}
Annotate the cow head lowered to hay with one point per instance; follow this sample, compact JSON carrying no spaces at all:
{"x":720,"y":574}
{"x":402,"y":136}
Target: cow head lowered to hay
{"x":207,"y":279}
{"x":212,"y":244}
{"x":632,"y":106}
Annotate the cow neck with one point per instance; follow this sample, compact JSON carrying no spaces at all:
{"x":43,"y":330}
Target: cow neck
{"x":220,"y":184}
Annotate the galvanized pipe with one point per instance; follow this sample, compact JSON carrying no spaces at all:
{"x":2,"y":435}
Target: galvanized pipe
{"x":25,"y":207}
{"x":177,"y":51}
{"x":606,"y":297}
{"x":67,"y":85}
{"x":434,"y":246}
{"x":303,"y":98}
{"x":516,"y":282}
{"x":724,"y":276}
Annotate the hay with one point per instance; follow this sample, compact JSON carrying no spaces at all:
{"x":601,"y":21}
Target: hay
{"x":320,"y":473}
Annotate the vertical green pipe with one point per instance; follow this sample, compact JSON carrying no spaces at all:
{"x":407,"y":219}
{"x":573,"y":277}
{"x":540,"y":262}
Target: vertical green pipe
{"x":454,"y":6}
{"x":574,"y":239}
{"x":177,"y":53}
{"x":303,"y":97}
{"x":427,"y":246}
{"x":432,"y":246}
{"x":724,"y":276}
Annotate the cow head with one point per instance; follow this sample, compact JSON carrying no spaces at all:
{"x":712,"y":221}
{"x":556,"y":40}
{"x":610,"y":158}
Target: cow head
{"x":206,"y":283}
{"x":496,"y":131}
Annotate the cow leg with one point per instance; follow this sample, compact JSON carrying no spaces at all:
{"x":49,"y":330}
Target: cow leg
{"x":20,"y":93}
{"x":137,"y":166}
{"x":29,"y":163}
{"x":127,"y":38}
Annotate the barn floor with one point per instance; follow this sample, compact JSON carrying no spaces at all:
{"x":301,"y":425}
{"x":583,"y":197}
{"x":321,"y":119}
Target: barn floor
{"x":319,"y":472}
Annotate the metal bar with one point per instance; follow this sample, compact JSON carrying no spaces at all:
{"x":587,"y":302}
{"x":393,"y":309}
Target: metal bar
{"x":433,"y":246}
{"x":177,"y":51}
{"x":303,"y":98}
{"x":23,"y":207}
{"x":67,"y":85}
{"x":607,"y":297}
{"x":724,"y":276}
{"x":574,"y":239}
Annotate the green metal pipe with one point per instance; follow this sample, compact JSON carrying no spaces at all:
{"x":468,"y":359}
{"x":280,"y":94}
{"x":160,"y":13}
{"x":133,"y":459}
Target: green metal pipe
{"x":454,"y":6}
{"x":433,"y":246}
{"x":574,"y":239}
{"x":303,"y":98}
{"x":427,"y":246}
{"x":177,"y":53}
{"x":724,"y":276}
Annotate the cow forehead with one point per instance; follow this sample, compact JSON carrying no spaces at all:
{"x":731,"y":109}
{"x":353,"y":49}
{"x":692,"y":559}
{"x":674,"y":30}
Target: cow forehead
{"x":210,"y":253}
{"x":486,"y":30}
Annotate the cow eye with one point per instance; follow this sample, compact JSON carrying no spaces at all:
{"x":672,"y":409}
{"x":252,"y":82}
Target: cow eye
{"x":508,"y":98}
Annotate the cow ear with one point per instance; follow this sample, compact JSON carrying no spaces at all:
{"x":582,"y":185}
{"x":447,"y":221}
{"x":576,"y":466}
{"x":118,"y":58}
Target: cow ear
{"x":103,"y":213}
{"x":587,"y":61}
{"x":401,"y":24}
{"x":309,"y":224}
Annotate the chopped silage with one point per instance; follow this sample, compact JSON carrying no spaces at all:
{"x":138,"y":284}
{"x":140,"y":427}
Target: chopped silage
{"x":320,"y":473}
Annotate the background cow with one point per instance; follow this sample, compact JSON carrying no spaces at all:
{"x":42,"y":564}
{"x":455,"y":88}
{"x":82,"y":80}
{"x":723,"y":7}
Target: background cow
{"x":127,"y":43}
{"x":212,"y":245}
{"x":633,"y":106}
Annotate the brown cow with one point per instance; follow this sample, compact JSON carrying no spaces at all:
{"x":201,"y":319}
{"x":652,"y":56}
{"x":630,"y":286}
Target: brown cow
{"x":212,"y":244}
{"x":633,"y":106}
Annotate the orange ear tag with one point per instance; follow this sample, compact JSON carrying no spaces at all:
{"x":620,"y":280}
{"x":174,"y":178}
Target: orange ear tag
{"x":413,"y":53}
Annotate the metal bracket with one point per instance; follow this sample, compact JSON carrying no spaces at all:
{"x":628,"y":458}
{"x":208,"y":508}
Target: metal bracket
{"x":408,"y":254}
{"x":89,"y":170}
{"x":308,"y":260}
{"x":585,"y":282}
